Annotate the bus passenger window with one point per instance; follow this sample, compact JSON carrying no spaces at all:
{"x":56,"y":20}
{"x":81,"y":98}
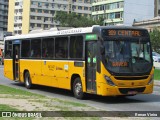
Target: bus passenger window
{"x":76,"y":47}
{"x":47,"y":47}
{"x":8,"y":49}
{"x":60,"y":53}
{"x":61,"y":47}
{"x":36,"y":48}
{"x":25,"y":47}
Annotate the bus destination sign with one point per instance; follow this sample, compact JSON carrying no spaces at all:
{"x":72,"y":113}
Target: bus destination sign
{"x":127,"y":33}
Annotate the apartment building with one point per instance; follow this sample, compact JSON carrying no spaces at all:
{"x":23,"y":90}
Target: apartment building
{"x":3,"y":20}
{"x":122,"y":11}
{"x":27,"y":15}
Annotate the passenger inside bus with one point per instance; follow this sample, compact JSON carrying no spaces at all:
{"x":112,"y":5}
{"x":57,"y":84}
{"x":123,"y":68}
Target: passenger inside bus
{"x":8,"y":54}
{"x":60,"y":53}
{"x":119,"y":50}
{"x":45,"y":52}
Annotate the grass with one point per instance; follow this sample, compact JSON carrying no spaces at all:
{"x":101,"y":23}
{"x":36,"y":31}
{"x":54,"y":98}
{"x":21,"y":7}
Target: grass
{"x":157,"y":74}
{"x":15,"y":91}
{"x":7,"y":107}
{"x":62,"y":107}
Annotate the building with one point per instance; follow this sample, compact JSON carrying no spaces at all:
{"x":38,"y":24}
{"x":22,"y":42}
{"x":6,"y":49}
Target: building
{"x":149,"y":24}
{"x":27,"y":15}
{"x":156,"y":8}
{"x":122,"y":11}
{"x":3,"y":20}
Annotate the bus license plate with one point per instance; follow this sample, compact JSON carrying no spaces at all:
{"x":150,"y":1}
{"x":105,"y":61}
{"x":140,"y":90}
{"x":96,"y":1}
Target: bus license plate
{"x":132,"y":92}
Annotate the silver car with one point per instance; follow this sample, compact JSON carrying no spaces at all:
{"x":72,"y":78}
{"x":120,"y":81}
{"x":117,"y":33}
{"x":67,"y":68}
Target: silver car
{"x":156,"y":57}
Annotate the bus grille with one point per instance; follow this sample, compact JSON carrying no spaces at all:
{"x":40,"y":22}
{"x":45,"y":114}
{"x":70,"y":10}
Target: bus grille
{"x":131,"y":78}
{"x":127,"y":90}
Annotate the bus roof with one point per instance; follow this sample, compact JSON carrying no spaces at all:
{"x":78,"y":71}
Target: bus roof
{"x":72,"y":31}
{"x":51,"y":33}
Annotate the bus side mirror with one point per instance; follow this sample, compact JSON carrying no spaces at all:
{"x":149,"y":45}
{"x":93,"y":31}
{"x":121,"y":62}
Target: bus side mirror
{"x":102,"y":49}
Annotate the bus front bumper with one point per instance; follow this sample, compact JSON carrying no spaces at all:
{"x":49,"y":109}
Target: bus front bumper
{"x":115,"y":90}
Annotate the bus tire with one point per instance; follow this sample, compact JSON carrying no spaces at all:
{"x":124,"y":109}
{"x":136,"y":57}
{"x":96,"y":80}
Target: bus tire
{"x":27,"y":80}
{"x":77,"y":88}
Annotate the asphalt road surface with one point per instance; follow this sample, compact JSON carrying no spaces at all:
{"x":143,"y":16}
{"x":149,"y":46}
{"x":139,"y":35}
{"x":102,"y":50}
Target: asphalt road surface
{"x":146,"y":102}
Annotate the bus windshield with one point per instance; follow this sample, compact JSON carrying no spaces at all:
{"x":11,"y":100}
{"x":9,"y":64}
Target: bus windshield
{"x":123,"y":56}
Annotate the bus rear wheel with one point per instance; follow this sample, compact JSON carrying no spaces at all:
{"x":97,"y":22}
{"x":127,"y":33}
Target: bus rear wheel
{"x":77,"y":88}
{"x":27,"y":80}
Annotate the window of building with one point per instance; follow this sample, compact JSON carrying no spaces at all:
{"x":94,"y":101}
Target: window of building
{"x":33,"y":17}
{"x":79,"y":7}
{"x":46,"y":11}
{"x":46,"y":19}
{"x":111,"y":16}
{"x":52,"y":12}
{"x":39,"y":25}
{"x":86,"y":1}
{"x":19,"y":32}
{"x":32,"y":25}
{"x":33,"y":10}
{"x":39,"y":10}
{"x":47,"y":5}
{"x":39,"y":4}
{"x":97,"y":8}
{"x":117,"y":15}
{"x":85,"y":8}
{"x":39,"y":18}
{"x":45,"y":26}
{"x":16,"y":3}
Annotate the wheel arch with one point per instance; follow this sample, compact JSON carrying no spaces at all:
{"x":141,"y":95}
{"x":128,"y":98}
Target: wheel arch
{"x":26,"y":70}
{"x":74,"y":76}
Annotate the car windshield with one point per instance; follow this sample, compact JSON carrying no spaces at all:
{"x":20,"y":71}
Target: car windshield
{"x":127,"y":56}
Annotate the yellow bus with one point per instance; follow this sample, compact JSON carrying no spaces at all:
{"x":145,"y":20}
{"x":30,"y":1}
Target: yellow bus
{"x":107,"y":61}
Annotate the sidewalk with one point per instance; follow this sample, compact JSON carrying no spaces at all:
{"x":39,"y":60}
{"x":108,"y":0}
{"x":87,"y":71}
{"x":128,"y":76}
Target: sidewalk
{"x":157,"y":83}
{"x":156,"y":64}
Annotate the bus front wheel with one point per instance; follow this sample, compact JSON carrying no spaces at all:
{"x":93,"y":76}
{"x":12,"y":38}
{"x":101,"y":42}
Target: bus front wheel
{"x":27,"y":80}
{"x":77,"y":89}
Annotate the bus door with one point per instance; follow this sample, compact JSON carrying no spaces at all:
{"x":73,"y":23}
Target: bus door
{"x":91,"y":65}
{"x":16,"y":56}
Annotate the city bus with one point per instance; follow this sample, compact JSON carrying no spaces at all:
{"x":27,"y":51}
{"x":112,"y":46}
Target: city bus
{"x":101,"y":60}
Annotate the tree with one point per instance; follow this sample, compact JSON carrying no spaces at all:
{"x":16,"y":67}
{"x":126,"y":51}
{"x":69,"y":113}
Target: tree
{"x":155,"y":40}
{"x":74,"y":20}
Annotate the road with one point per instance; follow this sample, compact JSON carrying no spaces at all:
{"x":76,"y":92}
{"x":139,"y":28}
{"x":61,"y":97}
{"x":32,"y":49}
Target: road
{"x":148,"y":102}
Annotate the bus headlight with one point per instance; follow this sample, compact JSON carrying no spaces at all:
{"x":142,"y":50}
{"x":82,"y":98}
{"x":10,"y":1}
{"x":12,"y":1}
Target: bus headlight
{"x":109,"y":81}
{"x":151,"y":80}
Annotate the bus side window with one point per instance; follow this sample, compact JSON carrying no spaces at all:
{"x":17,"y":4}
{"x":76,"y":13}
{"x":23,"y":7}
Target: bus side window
{"x":47,"y":47}
{"x":61,"y":47}
{"x":25,"y":47}
{"x":76,"y":46}
{"x":36,"y":48}
{"x":8,"y":49}
{"x":8,"y":54}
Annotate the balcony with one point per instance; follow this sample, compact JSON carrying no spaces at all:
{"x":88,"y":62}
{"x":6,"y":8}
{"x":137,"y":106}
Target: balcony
{"x":81,"y":11}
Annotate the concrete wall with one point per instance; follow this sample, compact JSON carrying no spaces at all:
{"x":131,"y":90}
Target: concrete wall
{"x":26,"y":16}
{"x":138,"y":10}
{"x":11,"y":16}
